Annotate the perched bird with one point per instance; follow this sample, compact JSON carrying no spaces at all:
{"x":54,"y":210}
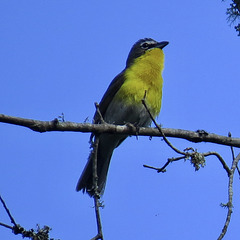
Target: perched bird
{"x":122,"y":104}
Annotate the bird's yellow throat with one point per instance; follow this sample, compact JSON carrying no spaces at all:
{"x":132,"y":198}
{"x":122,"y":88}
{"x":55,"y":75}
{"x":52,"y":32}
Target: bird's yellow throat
{"x":144,"y":75}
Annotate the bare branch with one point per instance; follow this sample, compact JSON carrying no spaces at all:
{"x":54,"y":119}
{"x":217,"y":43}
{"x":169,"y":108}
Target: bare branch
{"x":159,"y":128}
{"x":225,"y":166}
{"x":6,"y":226}
{"x":196,"y":158}
{"x":97,"y":204}
{"x":99,"y":115}
{"x":96,"y":195}
{"x":230,"y":135}
{"x":55,"y":125}
{"x":39,"y":233}
{"x":229,"y":205}
{"x":163,"y":168}
{"x":8,"y":212}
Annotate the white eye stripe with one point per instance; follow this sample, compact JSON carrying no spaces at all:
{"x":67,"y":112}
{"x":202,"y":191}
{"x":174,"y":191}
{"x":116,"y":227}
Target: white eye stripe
{"x":148,"y":44}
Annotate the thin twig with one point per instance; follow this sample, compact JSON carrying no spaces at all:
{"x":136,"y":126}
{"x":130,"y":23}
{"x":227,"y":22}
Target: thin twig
{"x":238,"y":170}
{"x":98,"y":114}
{"x":99,"y":225}
{"x":163,"y":168}
{"x":8,"y":212}
{"x":232,"y":150}
{"x":159,"y":128}
{"x":40,"y":233}
{"x":6,"y":226}
{"x":229,"y":205}
{"x":230,"y":172}
{"x":96,"y":195}
{"x":94,"y":166}
{"x":233,"y":156}
{"x":225,"y":166}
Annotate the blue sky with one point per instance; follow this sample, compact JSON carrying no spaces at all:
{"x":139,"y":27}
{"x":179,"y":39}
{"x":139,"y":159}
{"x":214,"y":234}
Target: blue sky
{"x":60,"y":56}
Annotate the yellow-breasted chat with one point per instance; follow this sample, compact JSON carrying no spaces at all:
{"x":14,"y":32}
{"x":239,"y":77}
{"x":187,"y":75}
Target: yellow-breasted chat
{"x":122,"y":104}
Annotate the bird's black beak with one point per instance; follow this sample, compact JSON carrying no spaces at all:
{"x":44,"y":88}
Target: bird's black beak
{"x":163,"y":44}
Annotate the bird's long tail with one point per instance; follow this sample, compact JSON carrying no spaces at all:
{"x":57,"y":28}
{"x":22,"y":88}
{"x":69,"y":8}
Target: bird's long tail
{"x":107,"y":143}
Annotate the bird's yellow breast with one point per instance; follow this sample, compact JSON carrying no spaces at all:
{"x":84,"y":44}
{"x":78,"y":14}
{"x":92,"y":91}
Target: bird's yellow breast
{"x":144,"y":75}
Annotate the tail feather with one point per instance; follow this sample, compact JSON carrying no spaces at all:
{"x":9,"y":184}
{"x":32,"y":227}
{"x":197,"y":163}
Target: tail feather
{"x":107,"y":143}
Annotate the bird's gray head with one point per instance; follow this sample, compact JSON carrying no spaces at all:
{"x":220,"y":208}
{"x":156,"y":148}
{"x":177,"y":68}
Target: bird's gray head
{"x":141,"y":46}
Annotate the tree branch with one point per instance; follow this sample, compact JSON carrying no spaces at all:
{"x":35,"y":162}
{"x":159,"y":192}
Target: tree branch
{"x":198,"y":159}
{"x":39,"y":233}
{"x":56,"y":125}
{"x":229,"y":205}
{"x":96,"y":195}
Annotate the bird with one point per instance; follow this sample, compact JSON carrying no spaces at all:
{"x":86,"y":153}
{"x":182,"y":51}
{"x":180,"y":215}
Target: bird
{"x":122,"y":104}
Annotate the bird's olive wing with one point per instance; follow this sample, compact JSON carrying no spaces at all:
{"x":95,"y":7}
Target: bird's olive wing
{"x":109,"y":95}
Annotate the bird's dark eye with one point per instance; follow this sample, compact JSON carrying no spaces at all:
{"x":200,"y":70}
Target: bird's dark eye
{"x":145,"y":45}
